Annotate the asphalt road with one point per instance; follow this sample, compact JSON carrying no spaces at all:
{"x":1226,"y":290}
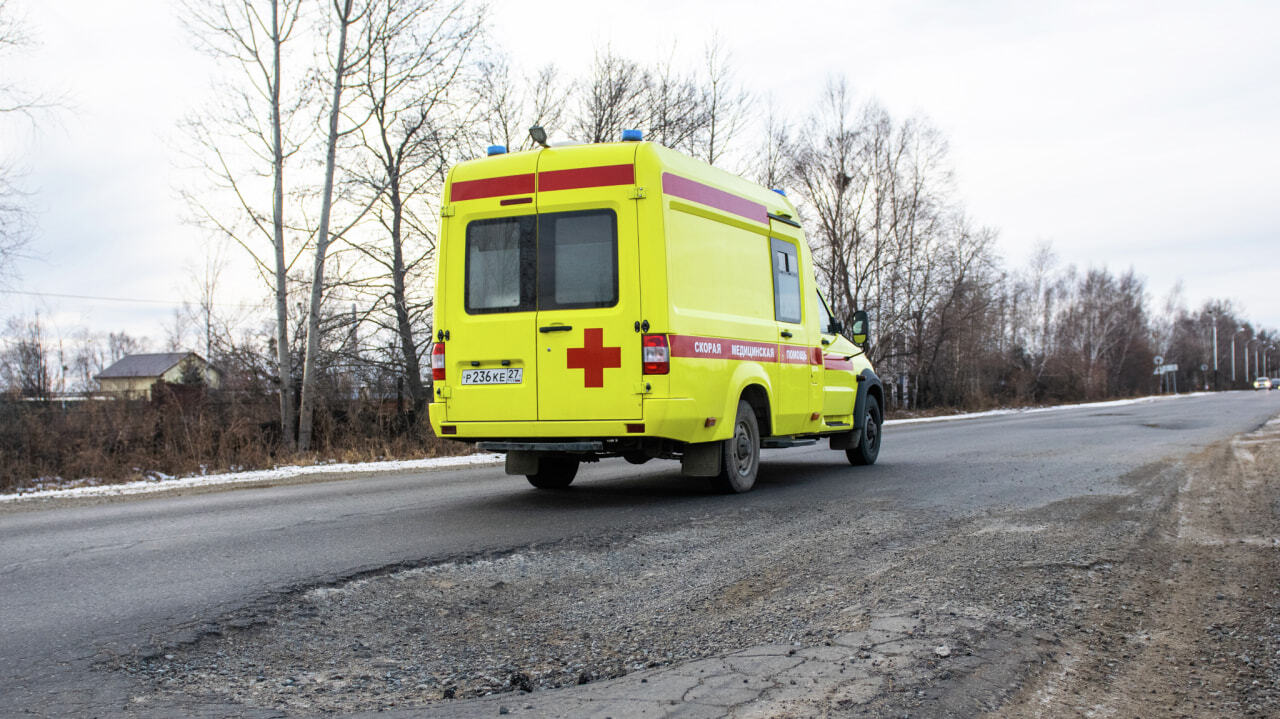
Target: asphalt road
{"x":81,"y":583}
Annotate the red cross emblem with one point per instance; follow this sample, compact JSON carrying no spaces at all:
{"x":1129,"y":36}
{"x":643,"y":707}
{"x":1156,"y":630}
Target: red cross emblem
{"x":594,"y":358}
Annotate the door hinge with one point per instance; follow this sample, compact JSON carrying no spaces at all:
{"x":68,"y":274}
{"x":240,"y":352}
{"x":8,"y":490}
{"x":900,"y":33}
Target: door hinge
{"x":637,"y":193}
{"x":446,"y":210}
{"x":644,"y":388}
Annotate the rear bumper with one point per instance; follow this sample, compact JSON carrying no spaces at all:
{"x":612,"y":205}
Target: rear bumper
{"x":674,"y":419}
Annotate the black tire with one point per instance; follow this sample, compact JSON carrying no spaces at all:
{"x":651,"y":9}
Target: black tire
{"x":740,"y":454}
{"x":554,"y":472}
{"x":868,"y":448}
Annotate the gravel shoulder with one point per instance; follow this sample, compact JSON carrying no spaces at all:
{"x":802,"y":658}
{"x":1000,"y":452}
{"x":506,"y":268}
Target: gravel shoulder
{"x":1161,"y":599}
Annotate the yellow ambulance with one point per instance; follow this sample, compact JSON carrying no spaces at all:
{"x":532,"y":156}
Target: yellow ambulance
{"x":626,"y":300}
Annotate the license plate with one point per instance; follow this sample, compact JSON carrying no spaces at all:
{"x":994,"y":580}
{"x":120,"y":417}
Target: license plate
{"x":506,"y":375}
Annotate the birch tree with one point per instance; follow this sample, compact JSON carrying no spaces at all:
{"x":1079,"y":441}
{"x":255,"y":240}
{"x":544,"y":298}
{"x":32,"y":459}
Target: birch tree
{"x":346,"y":63}
{"x":250,"y":136}
{"x":419,"y":116}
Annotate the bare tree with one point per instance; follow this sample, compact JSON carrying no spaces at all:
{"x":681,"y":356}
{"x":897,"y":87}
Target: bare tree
{"x":613,"y":99}
{"x":252,"y":36}
{"x":16,"y":104}
{"x":509,"y":105}
{"x":678,"y":117}
{"x":724,"y":101}
{"x":25,"y":362}
{"x":345,"y":64}
{"x":771,"y":168}
{"x":413,"y":88}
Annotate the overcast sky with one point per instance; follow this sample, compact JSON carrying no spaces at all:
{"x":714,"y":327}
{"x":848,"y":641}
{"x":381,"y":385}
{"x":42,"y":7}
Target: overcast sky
{"x":1136,"y":134}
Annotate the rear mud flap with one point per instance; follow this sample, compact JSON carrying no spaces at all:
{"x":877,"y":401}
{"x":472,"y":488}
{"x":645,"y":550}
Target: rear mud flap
{"x":844,"y":440}
{"x":701,"y":459}
{"x":523,"y":463}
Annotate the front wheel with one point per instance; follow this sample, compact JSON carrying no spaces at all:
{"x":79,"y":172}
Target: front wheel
{"x":554,"y":472}
{"x":869,"y":440}
{"x":740,"y":454}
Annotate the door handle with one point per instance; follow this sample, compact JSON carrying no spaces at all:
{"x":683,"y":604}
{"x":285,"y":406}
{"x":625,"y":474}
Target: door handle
{"x":786,"y":334}
{"x":555,"y":328}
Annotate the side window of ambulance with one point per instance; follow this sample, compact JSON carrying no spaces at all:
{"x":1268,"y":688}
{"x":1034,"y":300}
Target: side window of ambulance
{"x":824,"y":315}
{"x":500,"y":265}
{"x":577,"y":259}
{"x":786,"y":281}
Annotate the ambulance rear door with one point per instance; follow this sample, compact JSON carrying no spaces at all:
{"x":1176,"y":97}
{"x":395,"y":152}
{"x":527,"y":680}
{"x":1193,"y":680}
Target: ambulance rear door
{"x":490,"y":312}
{"x":588,"y":344}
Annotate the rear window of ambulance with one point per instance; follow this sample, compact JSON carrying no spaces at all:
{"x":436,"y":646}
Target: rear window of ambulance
{"x":560,"y":260}
{"x":500,"y":265}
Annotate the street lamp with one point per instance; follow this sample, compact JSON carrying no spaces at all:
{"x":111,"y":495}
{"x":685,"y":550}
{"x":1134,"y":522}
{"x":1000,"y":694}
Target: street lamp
{"x":1233,"y":356}
{"x":1246,"y":358}
{"x":1214,"y":315}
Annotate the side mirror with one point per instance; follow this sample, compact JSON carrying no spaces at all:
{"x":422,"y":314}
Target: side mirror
{"x":860,"y":328}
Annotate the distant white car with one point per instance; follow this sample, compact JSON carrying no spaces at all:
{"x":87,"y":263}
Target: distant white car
{"x":1263,"y":383}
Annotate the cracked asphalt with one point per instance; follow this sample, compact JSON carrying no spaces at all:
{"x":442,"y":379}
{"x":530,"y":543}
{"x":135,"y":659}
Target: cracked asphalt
{"x":1015,"y":565}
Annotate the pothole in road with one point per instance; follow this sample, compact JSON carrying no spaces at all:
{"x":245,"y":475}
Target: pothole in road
{"x":539,"y":619}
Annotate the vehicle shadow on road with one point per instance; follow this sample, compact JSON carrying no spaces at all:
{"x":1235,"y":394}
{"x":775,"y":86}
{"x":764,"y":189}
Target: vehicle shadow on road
{"x":614,"y":488}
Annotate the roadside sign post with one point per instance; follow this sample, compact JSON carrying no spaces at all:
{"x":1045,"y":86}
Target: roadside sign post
{"x":1168,"y":374}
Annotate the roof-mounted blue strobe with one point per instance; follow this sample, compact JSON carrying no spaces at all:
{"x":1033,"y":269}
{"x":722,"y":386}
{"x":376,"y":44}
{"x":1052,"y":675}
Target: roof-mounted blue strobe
{"x":496,"y":150}
{"x":632,"y":135}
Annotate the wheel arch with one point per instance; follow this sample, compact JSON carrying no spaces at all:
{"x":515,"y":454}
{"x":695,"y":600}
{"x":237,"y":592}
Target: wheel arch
{"x":868,"y":384}
{"x":756,"y":396}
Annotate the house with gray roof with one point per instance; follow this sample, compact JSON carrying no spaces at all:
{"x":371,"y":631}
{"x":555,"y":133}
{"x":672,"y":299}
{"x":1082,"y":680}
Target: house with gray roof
{"x":133,"y":376}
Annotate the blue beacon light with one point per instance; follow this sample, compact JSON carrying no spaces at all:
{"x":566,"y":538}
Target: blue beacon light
{"x":632,"y":135}
{"x":496,"y":150}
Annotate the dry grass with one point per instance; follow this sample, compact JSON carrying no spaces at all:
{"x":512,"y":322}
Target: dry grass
{"x":190,"y":433}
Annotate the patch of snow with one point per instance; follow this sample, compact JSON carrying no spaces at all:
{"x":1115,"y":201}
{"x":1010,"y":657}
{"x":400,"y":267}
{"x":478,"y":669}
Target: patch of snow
{"x":157,"y":481}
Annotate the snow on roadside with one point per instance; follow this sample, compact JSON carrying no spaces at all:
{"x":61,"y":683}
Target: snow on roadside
{"x":163,"y":482}
{"x":1054,"y":408}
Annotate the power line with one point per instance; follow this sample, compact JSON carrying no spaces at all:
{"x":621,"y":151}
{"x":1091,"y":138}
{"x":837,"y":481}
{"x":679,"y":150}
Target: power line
{"x":131,"y":300}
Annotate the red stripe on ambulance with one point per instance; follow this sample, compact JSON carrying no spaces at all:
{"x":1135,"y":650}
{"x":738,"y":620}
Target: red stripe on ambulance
{"x":687,"y":189}
{"x":836,"y":362}
{"x":717,"y":348}
{"x":491,"y":187}
{"x":577,"y":178}
{"x":798,"y":354}
{"x":582,"y":177}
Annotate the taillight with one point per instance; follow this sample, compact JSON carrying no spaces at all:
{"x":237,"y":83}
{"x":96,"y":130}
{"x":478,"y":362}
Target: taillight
{"x":437,"y":362}
{"x":656,"y":355}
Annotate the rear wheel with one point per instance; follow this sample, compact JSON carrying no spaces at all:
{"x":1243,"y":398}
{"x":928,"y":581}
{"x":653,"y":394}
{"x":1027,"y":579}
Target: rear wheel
{"x":740,"y":454}
{"x":869,"y":441}
{"x":554,"y":472}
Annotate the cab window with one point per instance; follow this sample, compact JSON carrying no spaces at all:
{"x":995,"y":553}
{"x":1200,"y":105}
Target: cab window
{"x":786,"y":281}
